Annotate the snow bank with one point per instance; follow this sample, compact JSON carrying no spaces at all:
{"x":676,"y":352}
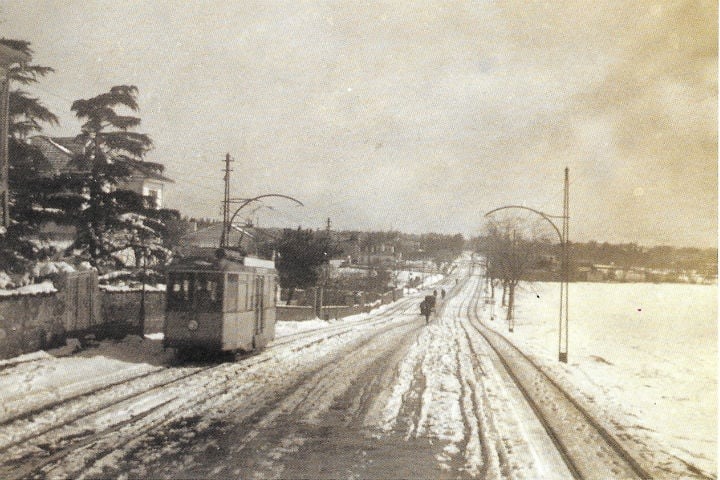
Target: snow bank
{"x":285,"y":328}
{"x":38,"y":379}
{"x":45,"y":269}
{"x":122,"y":287}
{"x":644,"y":354}
{"x":5,"y":280}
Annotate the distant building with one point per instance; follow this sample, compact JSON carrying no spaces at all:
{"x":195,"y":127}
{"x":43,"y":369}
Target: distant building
{"x":63,"y":155}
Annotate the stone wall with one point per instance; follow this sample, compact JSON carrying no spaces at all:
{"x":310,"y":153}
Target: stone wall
{"x":123,"y":308}
{"x":301,"y":313}
{"x":29,"y":323}
{"x":33,"y":322}
{"x":36,"y":322}
{"x":294,"y":313}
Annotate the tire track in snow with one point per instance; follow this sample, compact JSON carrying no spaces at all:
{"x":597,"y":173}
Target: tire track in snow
{"x":495,"y":455}
{"x":229,"y":369}
{"x":302,"y":407}
{"x":263,"y":409}
{"x":475,"y":453}
{"x":522,"y":445}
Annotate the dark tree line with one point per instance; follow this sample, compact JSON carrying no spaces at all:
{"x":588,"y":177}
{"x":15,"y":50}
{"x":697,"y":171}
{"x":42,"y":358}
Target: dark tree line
{"x":300,"y":257}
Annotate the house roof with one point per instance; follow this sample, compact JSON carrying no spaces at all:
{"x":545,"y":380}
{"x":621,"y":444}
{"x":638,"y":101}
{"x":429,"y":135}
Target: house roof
{"x":62,"y":153}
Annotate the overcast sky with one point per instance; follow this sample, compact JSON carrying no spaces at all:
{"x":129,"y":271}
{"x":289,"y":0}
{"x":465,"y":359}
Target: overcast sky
{"x":417,"y":116}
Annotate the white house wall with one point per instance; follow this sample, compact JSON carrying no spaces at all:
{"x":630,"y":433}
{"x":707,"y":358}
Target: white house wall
{"x":143,"y":187}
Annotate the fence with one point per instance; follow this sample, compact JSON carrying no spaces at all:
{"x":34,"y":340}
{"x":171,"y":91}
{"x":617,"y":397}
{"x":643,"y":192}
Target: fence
{"x":366,"y":301}
{"x":121,"y":312}
{"x":29,"y":323}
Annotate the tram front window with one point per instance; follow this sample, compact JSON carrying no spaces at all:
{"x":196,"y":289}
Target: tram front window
{"x":180,"y":292}
{"x":199,"y":292}
{"x":208,"y":292}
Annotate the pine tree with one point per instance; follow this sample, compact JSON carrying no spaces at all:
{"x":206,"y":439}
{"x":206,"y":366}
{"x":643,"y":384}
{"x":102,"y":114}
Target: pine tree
{"x":26,"y":115}
{"x":112,"y":219}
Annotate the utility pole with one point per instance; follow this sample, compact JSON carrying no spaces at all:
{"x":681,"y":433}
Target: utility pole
{"x":8,"y":57}
{"x":225,"y":236}
{"x":515,"y":273}
{"x":564,"y":237}
{"x":142,"y":293}
{"x":324,"y":278}
{"x":565,"y":272}
{"x":4,"y":161}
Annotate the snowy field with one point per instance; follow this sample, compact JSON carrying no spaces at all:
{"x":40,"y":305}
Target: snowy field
{"x":644,"y":354}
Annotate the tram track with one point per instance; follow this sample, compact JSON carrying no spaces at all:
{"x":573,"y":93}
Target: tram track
{"x":271,"y":401}
{"x":61,"y":408}
{"x":289,"y":344}
{"x":588,"y":449}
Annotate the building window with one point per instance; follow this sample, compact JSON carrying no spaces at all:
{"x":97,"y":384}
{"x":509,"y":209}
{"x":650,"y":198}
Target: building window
{"x":153,"y":199}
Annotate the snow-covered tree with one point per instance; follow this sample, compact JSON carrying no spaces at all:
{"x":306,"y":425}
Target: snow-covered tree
{"x":114,"y":222}
{"x":26,"y":115}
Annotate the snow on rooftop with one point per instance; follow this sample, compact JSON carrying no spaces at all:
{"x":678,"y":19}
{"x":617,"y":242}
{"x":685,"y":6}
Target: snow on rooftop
{"x":35,"y":289}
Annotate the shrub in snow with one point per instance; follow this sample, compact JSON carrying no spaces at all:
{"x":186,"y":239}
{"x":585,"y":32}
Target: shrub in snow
{"x":5,"y":281}
{"x":48,"y":269}
{"x":84,"y":266}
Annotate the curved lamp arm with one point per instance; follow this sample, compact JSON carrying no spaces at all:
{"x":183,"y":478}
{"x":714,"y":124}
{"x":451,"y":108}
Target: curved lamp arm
{"x":249,"y":201}
{"x":543,"y":215}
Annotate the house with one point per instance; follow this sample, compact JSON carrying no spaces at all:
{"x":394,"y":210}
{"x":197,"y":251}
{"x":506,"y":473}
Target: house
{"x":61,"y":155}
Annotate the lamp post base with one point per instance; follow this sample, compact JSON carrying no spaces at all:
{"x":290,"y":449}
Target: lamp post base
{"x":562,"y":357}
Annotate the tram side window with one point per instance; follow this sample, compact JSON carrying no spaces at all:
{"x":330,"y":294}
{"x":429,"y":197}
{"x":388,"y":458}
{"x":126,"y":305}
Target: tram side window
{"x":267,"y":294}
{"x":242,"y":297}
{"x":208,"y":292}
{"x":231,"y":304}
{"x":243,"y":294}
{"x":180,"y":292}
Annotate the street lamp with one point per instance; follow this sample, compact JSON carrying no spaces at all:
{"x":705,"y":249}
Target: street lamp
{"x":564,"y":237}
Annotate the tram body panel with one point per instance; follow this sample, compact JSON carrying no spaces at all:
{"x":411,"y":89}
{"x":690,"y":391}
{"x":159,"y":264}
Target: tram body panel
{"x":190,"y":330}
{"x":237,"y":332}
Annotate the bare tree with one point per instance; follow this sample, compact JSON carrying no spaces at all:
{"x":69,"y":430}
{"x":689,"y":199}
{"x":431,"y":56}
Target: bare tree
{"x":511,"y":248}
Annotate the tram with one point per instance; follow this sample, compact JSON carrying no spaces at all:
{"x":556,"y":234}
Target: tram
{"x":224,"y":304}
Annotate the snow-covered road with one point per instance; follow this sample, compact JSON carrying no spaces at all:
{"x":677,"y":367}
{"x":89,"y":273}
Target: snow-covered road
{"x":377,"y":396}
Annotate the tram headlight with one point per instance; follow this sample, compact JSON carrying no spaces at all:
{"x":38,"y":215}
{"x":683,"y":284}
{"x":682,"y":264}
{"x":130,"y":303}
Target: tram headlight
{"x":192,"y":325}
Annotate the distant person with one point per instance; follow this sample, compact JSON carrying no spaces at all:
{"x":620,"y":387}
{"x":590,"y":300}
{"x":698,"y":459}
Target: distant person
{"x":435,"y":293}
{"x":425,"y":310}
{"x":442,"y":294}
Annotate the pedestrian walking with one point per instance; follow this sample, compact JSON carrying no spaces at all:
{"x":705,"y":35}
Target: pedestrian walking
{"x":425,"y":310}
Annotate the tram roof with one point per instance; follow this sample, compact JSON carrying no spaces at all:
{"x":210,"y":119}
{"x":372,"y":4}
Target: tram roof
{"x":222,"y":265}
